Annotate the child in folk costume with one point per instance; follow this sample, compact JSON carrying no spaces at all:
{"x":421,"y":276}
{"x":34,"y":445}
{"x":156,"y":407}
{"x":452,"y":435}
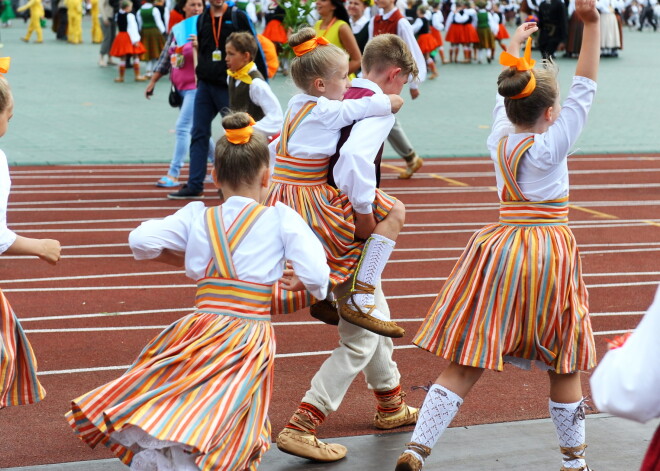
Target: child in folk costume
{"x":387,"y":65}
{"x":486,"y":46}
{"x":197,"y":396}
{"x":301,"y":156}
{"x":426,"y":40}
{"x":517,"y":294}
{"x":127,"y":42}
{"x":152,"y":31}
{"x":248,"y":91}
{"x":461,"y":32}
{"x":437,"y":27}
{"x":18,"y":368}
{"x":501,"y":32}
{"x":627,"y":380}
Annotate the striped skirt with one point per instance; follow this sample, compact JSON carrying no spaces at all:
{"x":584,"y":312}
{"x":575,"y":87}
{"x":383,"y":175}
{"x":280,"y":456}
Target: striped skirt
{"x":18,"y":366}
{"x":517,"y":291}
{"x":329,"y":214}
{"x":198,"y":393}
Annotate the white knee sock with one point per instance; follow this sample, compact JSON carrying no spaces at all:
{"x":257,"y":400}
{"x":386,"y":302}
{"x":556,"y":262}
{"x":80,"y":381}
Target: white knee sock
{"x":439,"y":408}
{"x":570,"y":426}
{"x":377,"y":251}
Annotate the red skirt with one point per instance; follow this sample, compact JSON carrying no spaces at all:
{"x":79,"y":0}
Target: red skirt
{"x":276,"y":32}
{"x":502,"y":33}
{"x":438,"y":37}
{"x":427,"y":43}
{"x":652,"y":458}
{"x":122,"y":46}
{"x":462,"y":34}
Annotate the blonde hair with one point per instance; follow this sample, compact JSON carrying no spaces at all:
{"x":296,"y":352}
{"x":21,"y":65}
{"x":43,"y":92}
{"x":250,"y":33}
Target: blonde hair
{"x":388,"y":50}
{"x":321,"y":62}
{"x":526,"y":111}
{"x":240,"y":164}
{"x":5,"y":94}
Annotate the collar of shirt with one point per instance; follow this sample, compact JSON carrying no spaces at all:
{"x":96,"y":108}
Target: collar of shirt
{"x":365,"y":83}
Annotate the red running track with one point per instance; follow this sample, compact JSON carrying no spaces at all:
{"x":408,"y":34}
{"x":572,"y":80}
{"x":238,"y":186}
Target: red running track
{"x":89,"y":316}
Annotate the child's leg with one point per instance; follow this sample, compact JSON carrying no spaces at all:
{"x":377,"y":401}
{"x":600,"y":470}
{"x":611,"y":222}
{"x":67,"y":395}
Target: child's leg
{"x":29,"y":31}
{"x":136,"y":69}
{"x":121,"y":68}
{"x":441,"y":51}
{"x":567,"y":411}
{"x":38,"y":31}
{"x":439,"y":409}
{"x":431,"y":65}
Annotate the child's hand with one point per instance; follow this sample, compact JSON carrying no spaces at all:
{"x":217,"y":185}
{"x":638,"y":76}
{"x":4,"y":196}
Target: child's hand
{"x":587,"y":11}
{"x":50,"y":251}
{"x":364,"y":225}
{"x":521,"y":34}
{"x":290,"y":280}
{"x":414,"y":93}
{"x":396,"y":101}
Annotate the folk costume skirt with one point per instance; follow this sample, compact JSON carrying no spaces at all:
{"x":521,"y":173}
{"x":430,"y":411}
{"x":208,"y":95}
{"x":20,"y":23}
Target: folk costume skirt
{"x":427,"y":43}
{"x":438,"y":37}
{"x":486,"y":38}
{"x":462,"y":34}
{"x":516,"y":291}
{"x":18,"y":367}
{"x":153,"y":42}
{"x":302,"y":185}
{"x":122,"y":46}
{"x":201,"y":388}
{"x":502,"y":33}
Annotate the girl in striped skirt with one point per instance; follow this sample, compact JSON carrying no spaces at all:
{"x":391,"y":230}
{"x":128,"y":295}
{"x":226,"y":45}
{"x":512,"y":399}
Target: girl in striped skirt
{"x":18,"y":367}
{"x":309,"y":138}
{"x":516,"y":294}
{"x":197,"y":396}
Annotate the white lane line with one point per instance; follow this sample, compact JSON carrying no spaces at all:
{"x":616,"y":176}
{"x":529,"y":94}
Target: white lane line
{"x":82,"y":221}
{"x":277,"y":356}
{"x":79,"y":201}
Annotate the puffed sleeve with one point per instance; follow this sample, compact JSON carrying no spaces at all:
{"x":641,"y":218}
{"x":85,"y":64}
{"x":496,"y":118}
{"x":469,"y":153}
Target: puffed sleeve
{"x":304,"y":250}
{"x":153,"y":236}
{"x":627,"y":380}
{"x":132,"y":28}
{"x":7,"y":237}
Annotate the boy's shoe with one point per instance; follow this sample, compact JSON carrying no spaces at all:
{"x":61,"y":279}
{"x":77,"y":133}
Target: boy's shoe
{"x":325,"y":311}
{"x":408,"y":462}
{"x":306,"y":445}
{"x":405,"y":416}
{"x":141,"y":78}
{"x":361,"y":315}
{"x":411,"y":167}
{"x":185,"y":193}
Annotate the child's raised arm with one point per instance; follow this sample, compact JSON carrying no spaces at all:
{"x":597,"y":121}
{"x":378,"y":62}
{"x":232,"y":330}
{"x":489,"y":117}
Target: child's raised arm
{"x":519,"y":37}
{"x":589,"y":59}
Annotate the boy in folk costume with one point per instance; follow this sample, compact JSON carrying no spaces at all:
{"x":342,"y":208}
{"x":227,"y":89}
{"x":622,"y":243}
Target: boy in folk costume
{"x":354,"y":169}
{"x":391,"y":20}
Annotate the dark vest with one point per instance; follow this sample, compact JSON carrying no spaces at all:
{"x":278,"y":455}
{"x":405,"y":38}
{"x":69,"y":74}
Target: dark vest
{"x":382,"y":26}
{"x":239,"y":97}
{"x":353,"y":93}
{"x":362,"y":36}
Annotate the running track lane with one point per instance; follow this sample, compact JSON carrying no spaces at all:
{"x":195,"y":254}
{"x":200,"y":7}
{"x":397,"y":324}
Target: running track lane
{"x":89,"y":316}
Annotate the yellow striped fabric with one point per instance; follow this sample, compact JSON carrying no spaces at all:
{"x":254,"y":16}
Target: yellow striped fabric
{"x":18,"y":366}
{"x":205,"y":382}
{"x":517,"y":290}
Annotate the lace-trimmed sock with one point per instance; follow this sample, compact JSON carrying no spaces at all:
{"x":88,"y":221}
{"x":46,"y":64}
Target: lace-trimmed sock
{"x":570,"y":427}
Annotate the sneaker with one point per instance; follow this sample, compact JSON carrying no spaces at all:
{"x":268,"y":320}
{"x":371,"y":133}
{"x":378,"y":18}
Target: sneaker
{"x":167,"y":182}
{"x":405,"y":416}
{"x":411,"y":167}
{"x":306,"y":445}
{"x":185,"y":193}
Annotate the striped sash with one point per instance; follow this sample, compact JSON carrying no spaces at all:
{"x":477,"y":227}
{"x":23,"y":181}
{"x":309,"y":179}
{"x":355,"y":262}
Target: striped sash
{"x":293,"y":170}
{"x":515,"y":207}
{"x":220,"y":291}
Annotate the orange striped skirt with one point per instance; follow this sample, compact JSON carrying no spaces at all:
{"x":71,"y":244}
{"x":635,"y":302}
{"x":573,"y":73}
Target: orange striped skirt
{"x":201,"y":388}
{"x":517,"y":291}
{"x":18,"y":366}
{"x":302,"y":185}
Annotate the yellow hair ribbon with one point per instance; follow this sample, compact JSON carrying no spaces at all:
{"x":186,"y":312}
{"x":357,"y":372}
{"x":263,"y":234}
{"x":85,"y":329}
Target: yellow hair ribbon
{"x":522,"y":64}
{"x":310,"y":45}
{"x":241,"y":135}
{"x":4,"y":65}
{"x":242,"y":74}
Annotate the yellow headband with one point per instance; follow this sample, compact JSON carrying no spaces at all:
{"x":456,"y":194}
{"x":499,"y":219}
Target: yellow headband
{"x":310,"y":45}
{"x":241,"y":135}
{"x":4,"y":65}
{"x":522,"y":64}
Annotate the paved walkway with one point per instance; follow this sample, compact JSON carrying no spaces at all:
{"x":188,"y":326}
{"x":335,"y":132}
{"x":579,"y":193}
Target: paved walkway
{"x":69,"y":110}
{"x":615,"y":444}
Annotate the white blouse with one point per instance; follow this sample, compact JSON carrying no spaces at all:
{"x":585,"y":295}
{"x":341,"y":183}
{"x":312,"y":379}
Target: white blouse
{"x":627,"y":380}
{"x":543,"y":171}
{"x":279,"y":234}
{"x":7,"y":237}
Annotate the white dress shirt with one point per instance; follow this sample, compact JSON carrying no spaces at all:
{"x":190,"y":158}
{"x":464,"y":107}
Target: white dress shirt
{"x":355,"y":172}
{"x":543,"y":171}
{"x":279,"y":234}
{"x":627,"y":380}
{"x":7,"y":237}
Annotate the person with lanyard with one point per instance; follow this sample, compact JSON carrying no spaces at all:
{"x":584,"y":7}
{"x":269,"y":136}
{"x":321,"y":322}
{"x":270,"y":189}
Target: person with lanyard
{"x":213,"y":28}
{"x":334,"y":26}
